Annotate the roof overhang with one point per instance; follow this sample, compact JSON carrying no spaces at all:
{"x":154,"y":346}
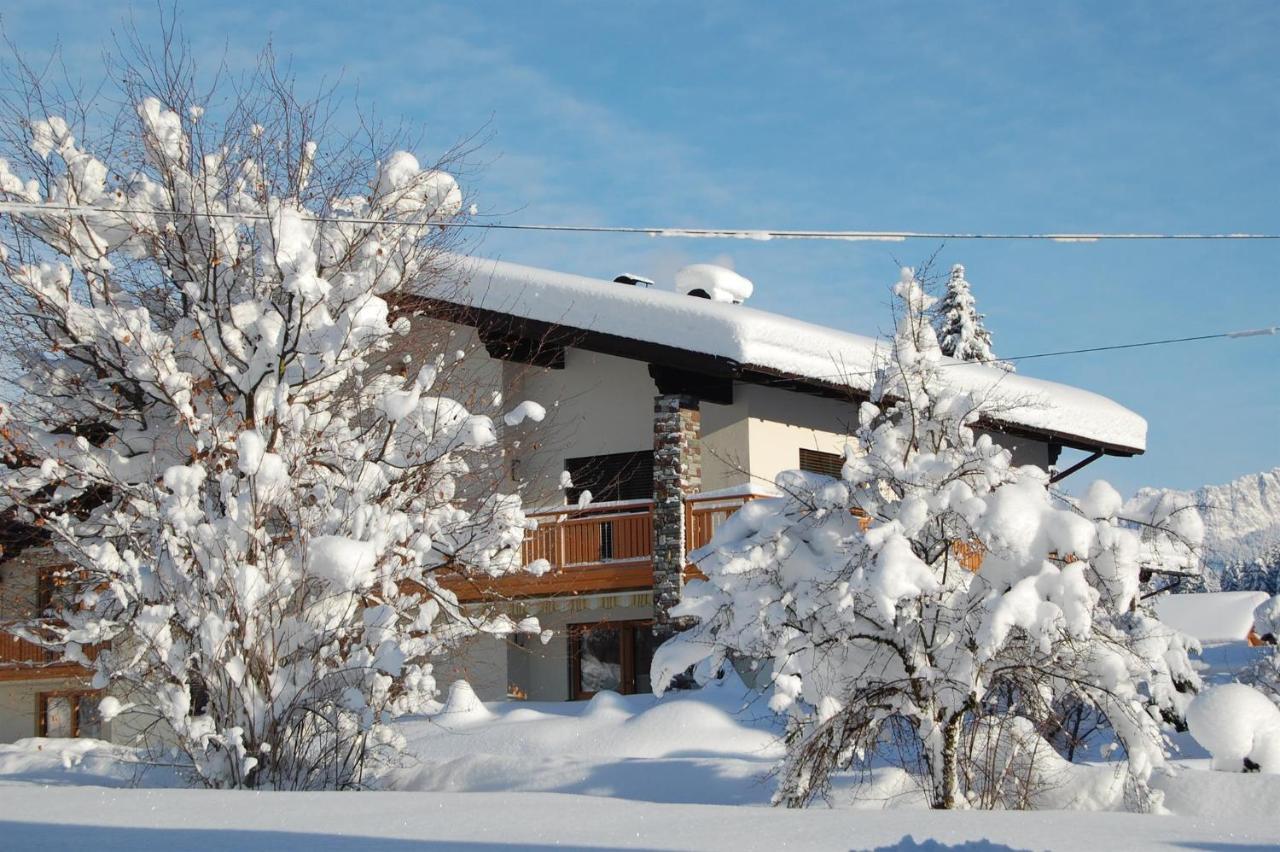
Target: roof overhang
{"x":543,"y":336}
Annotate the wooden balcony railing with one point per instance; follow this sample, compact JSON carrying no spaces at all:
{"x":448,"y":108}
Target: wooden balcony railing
{"x":21,"y":652}
{"x":605,"y":547}
{"x":704,"y":515}
{"x":20,"y":658}
{"x":616,"y":533}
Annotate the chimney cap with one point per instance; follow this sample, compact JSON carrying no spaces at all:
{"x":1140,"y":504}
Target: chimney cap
{"x":633,"y":280}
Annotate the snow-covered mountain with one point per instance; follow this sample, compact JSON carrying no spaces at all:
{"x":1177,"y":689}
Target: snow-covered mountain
{"x":1241,"y":518}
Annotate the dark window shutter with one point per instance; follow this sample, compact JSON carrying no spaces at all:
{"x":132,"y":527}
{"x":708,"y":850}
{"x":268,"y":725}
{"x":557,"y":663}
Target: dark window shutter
{"x":616,"y":476}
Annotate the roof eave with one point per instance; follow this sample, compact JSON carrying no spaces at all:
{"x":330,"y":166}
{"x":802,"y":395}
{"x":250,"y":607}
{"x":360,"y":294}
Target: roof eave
{"x":716,"y":365}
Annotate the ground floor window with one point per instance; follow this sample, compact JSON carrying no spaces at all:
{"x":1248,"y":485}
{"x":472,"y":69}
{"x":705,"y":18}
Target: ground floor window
{"x":613,"y":655}
{"x":70,"y":714}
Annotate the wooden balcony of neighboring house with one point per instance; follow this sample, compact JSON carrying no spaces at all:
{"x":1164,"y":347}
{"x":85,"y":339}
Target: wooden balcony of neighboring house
{"x":605,"y":547}
{"x":21,"y":659}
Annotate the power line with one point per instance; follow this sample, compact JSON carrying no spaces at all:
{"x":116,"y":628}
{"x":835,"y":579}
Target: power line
{"x":1232,"y":335}
{"x":1251,"y":332}
{"x":666,"y":232}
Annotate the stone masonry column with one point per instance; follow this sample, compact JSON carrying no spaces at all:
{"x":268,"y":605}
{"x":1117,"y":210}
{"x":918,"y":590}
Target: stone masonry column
{"x":677,"y":473}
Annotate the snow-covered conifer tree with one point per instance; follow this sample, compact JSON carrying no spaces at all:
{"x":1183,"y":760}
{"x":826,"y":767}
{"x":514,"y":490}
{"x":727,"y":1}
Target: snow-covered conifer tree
{"x":1259,"y":574}
{"x":255,"y":494}
{"x":961,"y":333}
{"x":937,"y":606}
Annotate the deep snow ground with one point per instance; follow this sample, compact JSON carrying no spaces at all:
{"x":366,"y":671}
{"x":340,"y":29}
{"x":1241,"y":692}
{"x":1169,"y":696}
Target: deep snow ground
{"x":688,"y":772}
{"x":117,"y":820}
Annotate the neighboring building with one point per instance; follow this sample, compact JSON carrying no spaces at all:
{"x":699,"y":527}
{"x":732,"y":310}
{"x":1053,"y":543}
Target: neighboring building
{"x":672,"y":410}
{"x":1222,"y":622}
{"x":40,"y":695}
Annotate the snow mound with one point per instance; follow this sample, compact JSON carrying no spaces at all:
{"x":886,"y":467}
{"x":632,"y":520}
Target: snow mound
{"x":700,"y":747}
{"x":719,"y":284}
{"x":463,"y":706}
{"x":1266,"y":618}
{"x":69,"y":762}
{"x":1210,"y":616}
{"x":1237,"y":723}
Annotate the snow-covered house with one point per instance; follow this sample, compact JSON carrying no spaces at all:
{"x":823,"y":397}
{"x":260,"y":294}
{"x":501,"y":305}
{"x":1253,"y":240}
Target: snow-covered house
{"x":671,"y":409}
{"x":1223,"y":624}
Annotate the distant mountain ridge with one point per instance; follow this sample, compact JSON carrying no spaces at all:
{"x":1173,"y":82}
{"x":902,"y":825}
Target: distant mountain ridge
{"x":1241,"y":518}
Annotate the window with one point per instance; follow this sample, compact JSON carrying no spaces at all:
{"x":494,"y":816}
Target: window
{"x":827,"y":464}
{"x":616,"y":476}
{"x":613,"y":655}
{"x":52,"y":587}
{"x":70,"y":714}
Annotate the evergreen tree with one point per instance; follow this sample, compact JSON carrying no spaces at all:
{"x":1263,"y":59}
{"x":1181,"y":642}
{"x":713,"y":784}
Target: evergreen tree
{"x":1255,"y":576}
{"x":961,"y":333}
{"x":1231,"y":577}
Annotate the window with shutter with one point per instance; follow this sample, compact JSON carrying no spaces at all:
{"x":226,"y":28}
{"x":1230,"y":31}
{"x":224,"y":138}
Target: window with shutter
{"x":615,"y":476}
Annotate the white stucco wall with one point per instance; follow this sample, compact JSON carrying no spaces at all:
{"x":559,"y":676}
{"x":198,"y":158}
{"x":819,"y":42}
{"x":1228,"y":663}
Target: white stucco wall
{"x":726,"y":458}
{"x":782,"y":422}
{"x":1025,"y":450}
{"x":600,"y":404}
{"x":481,"y":661}
{"x":597,"y":404}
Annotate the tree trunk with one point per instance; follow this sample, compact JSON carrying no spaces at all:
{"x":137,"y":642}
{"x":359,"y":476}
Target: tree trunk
{"x":946,"y":781}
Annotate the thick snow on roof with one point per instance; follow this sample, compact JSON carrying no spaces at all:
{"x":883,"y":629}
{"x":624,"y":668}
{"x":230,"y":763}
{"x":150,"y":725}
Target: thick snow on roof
{"x":1211,"y":616}
{"x":774,"y":343}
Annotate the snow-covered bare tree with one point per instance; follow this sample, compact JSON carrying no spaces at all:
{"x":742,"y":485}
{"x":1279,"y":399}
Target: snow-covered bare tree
{"x":961,"y":333}
{"x":937,"y":606}
{"x":255,"y":492}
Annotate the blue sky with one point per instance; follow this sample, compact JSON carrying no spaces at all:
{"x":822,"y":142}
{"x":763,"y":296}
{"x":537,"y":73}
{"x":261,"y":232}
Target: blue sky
{"x":924,"y":116}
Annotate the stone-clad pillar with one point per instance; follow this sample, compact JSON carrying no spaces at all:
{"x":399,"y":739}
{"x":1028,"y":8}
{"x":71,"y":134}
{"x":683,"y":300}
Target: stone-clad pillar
{"x":677,"y":473}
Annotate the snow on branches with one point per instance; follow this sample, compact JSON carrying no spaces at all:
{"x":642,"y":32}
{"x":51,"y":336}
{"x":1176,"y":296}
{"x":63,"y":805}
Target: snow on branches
{"x":937,"y":606}
{"x":255,"y":506}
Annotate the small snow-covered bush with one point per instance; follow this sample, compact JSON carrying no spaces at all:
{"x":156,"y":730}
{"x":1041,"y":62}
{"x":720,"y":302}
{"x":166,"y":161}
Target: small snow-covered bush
{"x":255,"y":498}
{"x":1239,"y":726}
{"x":913,"y":607}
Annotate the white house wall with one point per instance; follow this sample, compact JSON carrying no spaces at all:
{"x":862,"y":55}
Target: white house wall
{"x":600,"y":404}
{"x":783,"y":422}
{"x":725,"y":441}
{"x":541,"y":671}
{"x":19,"y":704}
{"x":481,"y":661}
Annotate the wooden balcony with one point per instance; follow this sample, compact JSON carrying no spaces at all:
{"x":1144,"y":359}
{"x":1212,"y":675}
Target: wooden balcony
{"x":602,"y":548}
{"x":21,"y":660}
